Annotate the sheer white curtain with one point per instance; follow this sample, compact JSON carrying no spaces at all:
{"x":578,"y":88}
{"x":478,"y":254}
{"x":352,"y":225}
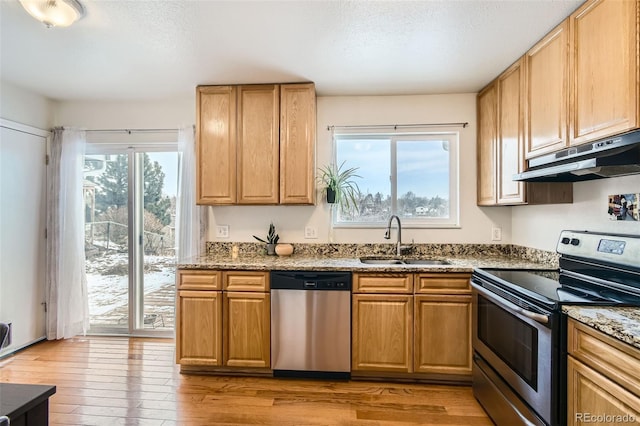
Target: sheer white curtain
{"x":66,"y":282}
{"x":190,"y":229}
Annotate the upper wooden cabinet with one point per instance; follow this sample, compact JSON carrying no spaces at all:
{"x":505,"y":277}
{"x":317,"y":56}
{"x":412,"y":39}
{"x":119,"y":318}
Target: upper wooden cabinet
{"x":487,"y":141}
{"x":258,"y":164}
{"x":256,"y":144}
{"x":510,"y":141}
{"x":216,"y":145}
{"x":500,"y":146}
{"x":297,"y":152}
{"x":603,"y":67}
{"x":547,"y":99}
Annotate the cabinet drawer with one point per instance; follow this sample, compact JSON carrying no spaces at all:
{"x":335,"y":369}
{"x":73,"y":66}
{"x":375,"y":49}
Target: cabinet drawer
{"x":199,"y":280}
{"x":245,"y":281}
{"x":615,"y":359}
{"x":443,"y":283}
{"x":383,"y":283}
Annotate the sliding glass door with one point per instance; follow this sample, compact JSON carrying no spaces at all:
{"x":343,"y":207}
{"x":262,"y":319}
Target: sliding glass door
{"x":130,"y":205}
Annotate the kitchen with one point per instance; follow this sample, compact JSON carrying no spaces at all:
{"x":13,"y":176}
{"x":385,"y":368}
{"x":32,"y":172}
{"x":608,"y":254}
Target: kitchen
{"x":529,"y":226}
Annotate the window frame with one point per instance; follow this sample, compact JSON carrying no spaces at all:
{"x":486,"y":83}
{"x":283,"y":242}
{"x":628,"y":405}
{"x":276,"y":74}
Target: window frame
{"x":452,"y":136}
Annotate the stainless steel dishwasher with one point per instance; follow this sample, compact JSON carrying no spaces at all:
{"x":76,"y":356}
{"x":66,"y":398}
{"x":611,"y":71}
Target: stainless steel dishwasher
{"x":311,"y":324}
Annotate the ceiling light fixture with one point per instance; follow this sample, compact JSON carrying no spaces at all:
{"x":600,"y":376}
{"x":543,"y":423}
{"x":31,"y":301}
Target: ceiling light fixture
{"x":54,"y":13}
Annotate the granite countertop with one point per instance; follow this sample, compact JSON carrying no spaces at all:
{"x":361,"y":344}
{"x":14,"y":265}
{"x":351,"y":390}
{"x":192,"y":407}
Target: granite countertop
{"x":623,"y":323}
{"x":259,"y":262}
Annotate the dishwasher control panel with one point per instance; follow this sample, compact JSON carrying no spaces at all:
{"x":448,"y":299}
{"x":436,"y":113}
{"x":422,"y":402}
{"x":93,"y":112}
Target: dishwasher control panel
{"x":308,"y":280}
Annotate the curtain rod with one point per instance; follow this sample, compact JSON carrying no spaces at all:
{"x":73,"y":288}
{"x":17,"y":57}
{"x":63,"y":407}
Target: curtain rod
{"x":129,"y":131}
{"x":398,"y":126}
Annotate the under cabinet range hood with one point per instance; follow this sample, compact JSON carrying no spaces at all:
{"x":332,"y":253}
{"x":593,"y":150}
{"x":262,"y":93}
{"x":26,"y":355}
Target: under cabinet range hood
{"x":611,"y":157}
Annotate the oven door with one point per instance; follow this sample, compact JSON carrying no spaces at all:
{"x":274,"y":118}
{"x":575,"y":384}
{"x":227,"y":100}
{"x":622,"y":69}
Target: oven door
{"x":518,"y":344}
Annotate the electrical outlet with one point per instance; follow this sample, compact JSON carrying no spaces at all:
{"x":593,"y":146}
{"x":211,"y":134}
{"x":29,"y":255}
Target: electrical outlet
{"x":496,"y":234}
{"x":310,"y":232}
{"x":222,"y":231}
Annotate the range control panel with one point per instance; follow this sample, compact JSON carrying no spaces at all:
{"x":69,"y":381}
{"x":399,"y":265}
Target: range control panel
{"x":621,"y":249}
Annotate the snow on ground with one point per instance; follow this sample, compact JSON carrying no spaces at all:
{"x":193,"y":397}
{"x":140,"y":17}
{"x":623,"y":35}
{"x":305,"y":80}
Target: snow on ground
{"x":110,"y":290}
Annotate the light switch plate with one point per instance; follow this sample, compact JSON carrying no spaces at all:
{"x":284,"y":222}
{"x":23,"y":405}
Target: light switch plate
{"x":222,"y":231}
{"x":310,"y":232}
{"x":496,"y":234}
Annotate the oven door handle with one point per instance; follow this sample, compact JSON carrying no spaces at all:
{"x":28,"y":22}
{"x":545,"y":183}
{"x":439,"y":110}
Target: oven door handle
{"x":541,"y":318}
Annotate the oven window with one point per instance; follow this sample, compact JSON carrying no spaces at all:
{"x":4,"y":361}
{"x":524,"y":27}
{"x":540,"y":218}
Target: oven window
{"x":513,"y":340}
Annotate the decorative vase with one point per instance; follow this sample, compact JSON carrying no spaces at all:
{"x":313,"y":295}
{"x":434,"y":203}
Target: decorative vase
{"x":284,"y":249}
{"x":271,"y":249}
{"x":331,"y":195}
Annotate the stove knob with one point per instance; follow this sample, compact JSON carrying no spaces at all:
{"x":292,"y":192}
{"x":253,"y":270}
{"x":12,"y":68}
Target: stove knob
{"x":565,"y":240}
{"x":575,"y":241}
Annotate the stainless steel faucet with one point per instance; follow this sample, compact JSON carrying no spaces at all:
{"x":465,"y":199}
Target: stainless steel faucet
{"x":387,"y":235}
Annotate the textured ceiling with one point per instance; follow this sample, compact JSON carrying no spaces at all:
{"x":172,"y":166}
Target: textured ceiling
{"x":144,"y":50}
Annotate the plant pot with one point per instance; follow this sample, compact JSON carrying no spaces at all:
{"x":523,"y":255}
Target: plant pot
{"x":331,"y":195}
{"x":271,"y":249}
{"x":284,"y":249}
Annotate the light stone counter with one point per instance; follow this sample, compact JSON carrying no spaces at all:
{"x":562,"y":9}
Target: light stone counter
{"x":623,"y":323}
{"x":457,"y":263}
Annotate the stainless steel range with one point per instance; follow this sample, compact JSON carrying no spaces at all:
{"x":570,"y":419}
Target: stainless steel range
{"x":519,"y":331}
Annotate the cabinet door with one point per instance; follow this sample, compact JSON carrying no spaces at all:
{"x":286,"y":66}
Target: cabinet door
{"x":199,"y":328}
{"x":382,"y":333}
{"x":216,"y":145}
{"x":443,"y":334}
{"x":510,"y":148}
{"x":604,"y":69}
{"x":247,"y":326}
{"x":547,"y":74}
{"x":258,"y":144}
{"x":486,"y":145}
{"x":591,"y":394}
{"x":297,"y":143}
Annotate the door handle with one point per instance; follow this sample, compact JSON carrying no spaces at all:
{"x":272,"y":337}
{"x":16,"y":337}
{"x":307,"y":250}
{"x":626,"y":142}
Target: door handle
{"x":541,"y":318}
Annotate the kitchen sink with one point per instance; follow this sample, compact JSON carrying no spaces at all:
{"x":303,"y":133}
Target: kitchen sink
{"x":381,"y":261}
{"x":426,"y":262}
{"x":398,"y":261}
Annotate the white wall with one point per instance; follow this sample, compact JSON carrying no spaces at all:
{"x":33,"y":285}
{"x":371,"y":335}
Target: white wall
{"x":161,"y":114}
{"x":22,"y":106}
{"x":290,"y":221}
{"x":539,"y":226}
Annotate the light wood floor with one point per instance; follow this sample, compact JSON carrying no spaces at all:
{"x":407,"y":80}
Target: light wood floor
{"x":127,"y":381}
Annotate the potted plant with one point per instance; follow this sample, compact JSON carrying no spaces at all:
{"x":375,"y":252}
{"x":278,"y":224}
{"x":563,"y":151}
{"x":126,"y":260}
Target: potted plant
{"x":271,"y":241}
{"x":339,"y":186}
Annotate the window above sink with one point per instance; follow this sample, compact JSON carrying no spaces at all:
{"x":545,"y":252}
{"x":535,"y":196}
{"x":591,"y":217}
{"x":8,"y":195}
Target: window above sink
{"x":412,"y":175}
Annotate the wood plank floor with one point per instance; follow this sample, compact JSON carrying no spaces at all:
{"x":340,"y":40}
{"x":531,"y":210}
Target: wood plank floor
{"x":134,"y":381}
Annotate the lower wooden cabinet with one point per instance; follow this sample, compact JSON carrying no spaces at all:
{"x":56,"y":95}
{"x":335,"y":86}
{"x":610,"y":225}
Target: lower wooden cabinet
{"x":443,"y":334}
{"x":382,"y":333}
{"x":425,"y":335}
{"x":199,"y":328}
{"x":247,"y":337}
{"x":222,"y":329}
{"x":603,"y":378}
{"x":592,"y":395}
